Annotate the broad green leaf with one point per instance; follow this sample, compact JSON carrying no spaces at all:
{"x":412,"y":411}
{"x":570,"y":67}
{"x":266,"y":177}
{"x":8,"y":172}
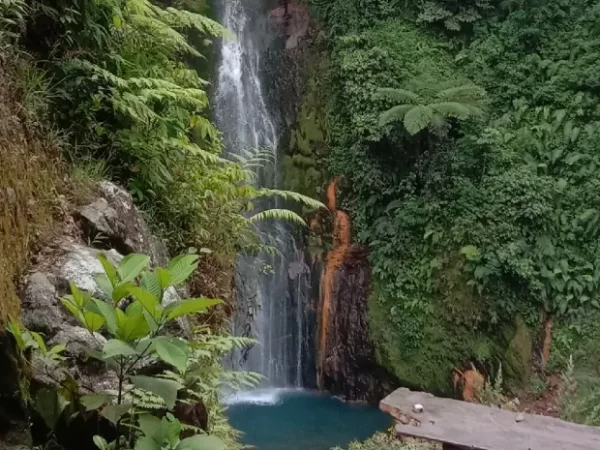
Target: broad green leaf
{"x":95,"y":401}
{"x":131,"y":266}
{"x":121,"y":291}
{"x":172,"y":351}
{"x":105,"y":285}
{"x":72,"y":307}
{"x":135,"y":325}
{"x":470,"y":252}
{"x":107,"y":311}
{"x":164,"y":278}
{"x":93,"y":321}
{"x":166,"y":389}
{"x":151,"y":283}
{"x":57,"y":349}
{"x":37,"y":337}
{"x":151,"y":426}
{"x":193,"y":305}
{"x":201,"y":442}
{"x":146,"y":443}
{"x":101,"y":442}
{"x":147,"y":300}
{"x":121,"y":318}
{"x":114,"y":412}
{"x":181,"y":267}
{"x":116,"y":347}
{"x":173,"y":428}
{"x":77,"y":295}
{"x":117,"y":23}
{"x":109,"y":269}
{"x":50,"y":405}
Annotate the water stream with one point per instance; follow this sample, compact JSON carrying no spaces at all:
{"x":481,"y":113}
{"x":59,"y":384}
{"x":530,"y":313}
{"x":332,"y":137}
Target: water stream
{"x":272,"y":290}
{"x":269,"y":288}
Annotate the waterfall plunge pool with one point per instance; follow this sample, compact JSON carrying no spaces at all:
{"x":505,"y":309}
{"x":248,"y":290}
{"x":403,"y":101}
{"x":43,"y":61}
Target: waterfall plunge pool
{"x":296,"y":419}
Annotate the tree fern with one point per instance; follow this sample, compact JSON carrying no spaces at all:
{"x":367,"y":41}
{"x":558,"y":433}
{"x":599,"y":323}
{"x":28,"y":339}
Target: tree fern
{"x":430,"y":110}
{"x":418,"y":118}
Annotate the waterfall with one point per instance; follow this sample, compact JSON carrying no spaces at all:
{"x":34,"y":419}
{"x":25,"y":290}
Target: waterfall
{"x":270,"y":290}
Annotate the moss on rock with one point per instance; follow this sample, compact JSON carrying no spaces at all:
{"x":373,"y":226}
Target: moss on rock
{"x":518,"y":357}
{"x":27,"y":190}
{"x":304,"y":165}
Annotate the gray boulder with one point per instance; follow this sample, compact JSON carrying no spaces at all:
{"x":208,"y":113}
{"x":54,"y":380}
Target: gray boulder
{"x":113,"y":217}
{"x":40,"y":309}
{"x":77,"y":341}
{"x":80,"y":265}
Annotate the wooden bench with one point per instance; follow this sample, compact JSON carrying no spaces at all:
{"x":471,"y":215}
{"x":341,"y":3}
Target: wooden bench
{"x":462,"y":425}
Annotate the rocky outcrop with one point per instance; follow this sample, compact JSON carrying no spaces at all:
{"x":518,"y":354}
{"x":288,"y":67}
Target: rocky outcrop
{"x":349,"y":368}
{"x":123,"y":230}
{"x":113,"y":220}
{"x":346,"y":363}
{"x":292,"y":21}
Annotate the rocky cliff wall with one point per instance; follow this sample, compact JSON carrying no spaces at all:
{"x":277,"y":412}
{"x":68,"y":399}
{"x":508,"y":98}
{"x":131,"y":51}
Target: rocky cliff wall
{"x":348,"y":364}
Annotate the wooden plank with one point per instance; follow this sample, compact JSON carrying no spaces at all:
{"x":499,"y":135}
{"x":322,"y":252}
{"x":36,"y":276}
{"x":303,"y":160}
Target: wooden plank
{"x":473,"y":426}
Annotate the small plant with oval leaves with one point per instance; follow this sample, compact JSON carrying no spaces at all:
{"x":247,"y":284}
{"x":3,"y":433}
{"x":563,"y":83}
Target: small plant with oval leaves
{"x":133,"y":315}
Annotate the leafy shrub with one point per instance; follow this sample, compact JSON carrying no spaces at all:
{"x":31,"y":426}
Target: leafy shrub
{"x":134,"y":320}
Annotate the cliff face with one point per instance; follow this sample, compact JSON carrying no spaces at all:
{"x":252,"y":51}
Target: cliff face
{"x":28,"y":204}
{"x":348,"y":365}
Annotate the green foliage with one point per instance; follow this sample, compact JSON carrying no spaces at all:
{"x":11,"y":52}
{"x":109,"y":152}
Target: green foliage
{"x":455,"y":15}
{"x":12,"y":20}
{"x":134,"y":315}
{"x":491,"y":219}
{"x":493,"y":393}
{"x":538,"y":385}
{"x":389,"y":442}
{"x":125,"y":98}
{"x":419,"y":113}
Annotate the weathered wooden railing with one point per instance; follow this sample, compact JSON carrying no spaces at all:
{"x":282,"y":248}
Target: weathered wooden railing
{"x":462,"y":425}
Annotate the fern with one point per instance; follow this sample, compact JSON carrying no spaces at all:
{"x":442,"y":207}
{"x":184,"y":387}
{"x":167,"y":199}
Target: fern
{"x":430,"y":110}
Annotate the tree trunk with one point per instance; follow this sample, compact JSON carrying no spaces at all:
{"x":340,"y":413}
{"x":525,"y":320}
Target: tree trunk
{"x":547,"y":341}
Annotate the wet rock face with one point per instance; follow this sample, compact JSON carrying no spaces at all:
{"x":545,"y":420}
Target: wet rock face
{"x":349,"y":367}
{"x":112,"y":218}
{"x":292,"y":21}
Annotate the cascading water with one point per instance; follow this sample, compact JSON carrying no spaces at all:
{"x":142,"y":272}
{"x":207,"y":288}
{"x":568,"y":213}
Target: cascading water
{"x":270,"y":290}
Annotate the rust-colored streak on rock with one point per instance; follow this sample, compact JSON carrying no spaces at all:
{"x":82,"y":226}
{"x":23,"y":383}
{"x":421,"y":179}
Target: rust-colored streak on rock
{"x":342,"y":235}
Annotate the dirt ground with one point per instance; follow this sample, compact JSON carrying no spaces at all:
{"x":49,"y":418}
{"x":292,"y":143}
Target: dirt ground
{"x":545,"y":403}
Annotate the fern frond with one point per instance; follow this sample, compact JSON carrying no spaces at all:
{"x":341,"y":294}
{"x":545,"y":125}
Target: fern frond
{"x":463,"y":93}
{"x":182,"y":18}
{"x":277,"y":214}
{"x":290,"y":195}
{"x":394,"y":114}
{"x":418,"y":118}
{"x":453,"y":109}
{"x":400,"y":95}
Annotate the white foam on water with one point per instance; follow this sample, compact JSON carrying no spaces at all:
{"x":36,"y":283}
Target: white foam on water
{"x":259,"y":396}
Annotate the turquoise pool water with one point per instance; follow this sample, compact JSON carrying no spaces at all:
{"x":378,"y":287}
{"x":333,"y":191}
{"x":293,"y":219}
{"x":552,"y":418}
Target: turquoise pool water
{"x":302,"y":420}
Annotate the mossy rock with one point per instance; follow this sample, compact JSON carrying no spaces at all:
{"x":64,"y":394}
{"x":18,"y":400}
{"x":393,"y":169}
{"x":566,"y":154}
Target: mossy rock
{"x":518,"y":357}
{"x":422,"y":349}
{"x":304,"y":165}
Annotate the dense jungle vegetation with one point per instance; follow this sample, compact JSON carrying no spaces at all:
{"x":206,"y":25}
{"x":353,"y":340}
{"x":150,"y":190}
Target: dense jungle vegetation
{"x":466,"y":134}
{"x":114,"y":90}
